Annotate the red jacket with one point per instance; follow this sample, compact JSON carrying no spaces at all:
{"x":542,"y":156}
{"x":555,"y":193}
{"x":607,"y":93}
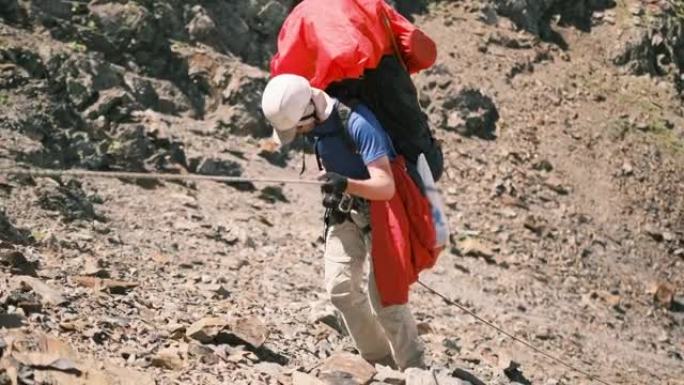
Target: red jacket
{"x":403,"y":238}
{"x":329,"y":40}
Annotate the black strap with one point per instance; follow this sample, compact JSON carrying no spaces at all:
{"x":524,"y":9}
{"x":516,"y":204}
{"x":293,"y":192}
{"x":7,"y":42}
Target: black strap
{"x":301,"y":171}
{"x":344,"y":111}
{"x":318,"y":156}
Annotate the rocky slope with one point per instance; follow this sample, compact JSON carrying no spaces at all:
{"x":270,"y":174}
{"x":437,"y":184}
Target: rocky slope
{"x":562,"y":125}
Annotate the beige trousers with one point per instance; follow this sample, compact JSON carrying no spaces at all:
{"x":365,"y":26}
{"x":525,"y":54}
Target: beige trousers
{"x":378,"y":332}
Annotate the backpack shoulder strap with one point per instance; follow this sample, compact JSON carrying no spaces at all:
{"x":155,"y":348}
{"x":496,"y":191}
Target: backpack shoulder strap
{"x":344,"y":110}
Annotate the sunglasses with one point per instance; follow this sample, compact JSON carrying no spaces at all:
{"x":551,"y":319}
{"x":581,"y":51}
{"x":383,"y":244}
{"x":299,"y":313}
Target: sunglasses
{"x":310,"y":115}
{"x":307,"y":117}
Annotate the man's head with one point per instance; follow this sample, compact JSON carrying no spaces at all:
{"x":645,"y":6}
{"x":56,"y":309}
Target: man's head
{"x":288,"y":104}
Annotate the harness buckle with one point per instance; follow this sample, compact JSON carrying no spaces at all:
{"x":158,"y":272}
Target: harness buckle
{"x":346,"y":203}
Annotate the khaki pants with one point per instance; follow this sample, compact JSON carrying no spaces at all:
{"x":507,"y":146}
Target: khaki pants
{"x":378,"y":332}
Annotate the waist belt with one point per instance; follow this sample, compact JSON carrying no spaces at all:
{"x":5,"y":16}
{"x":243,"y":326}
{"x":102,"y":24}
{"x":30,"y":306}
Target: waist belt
{"x":342,"y":212}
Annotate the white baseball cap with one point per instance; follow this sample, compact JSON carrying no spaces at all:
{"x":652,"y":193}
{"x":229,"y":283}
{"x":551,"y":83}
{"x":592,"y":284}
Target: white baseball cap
{"x":287,"y":99}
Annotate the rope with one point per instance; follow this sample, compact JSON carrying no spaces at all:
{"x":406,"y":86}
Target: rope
{"x":154,"y":176}
{"x":509,"y":335}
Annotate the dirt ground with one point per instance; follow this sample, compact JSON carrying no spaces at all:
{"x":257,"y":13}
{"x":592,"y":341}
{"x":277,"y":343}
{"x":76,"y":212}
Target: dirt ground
{"x":567,"y":224}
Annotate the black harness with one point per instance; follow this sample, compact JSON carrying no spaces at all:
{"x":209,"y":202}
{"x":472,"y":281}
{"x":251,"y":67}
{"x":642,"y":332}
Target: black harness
{"x":347,"y":203}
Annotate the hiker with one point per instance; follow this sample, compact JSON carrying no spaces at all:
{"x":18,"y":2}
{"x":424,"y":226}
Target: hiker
{"x":364,"y":50}
{"x":366,"y":192}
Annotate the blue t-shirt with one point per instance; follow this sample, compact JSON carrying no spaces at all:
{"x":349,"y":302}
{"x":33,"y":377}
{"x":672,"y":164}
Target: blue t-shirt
{"x":365,"y":142}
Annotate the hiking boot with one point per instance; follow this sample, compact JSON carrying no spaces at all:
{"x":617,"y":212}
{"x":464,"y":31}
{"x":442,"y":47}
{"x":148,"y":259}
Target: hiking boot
{"x":385,"y":361}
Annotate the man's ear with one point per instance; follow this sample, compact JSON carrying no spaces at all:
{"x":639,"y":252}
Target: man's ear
{"x":323,"y":103}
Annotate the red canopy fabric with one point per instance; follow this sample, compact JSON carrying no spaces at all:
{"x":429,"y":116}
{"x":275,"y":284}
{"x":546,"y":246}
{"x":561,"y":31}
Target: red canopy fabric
{"x":402,"y":238}
{"x":329,"y":40}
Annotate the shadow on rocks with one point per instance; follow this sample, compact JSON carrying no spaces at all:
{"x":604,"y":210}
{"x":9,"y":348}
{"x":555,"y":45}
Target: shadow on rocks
{"x":273,"y":194}
{"x":514,"y":374}
{"x":262,"y":352}
{"x":467,"y":376}
{"x":10,"y":11}
{"x":677,"y":306}
{"x":16,"y":263}
{"x":11,"y":234}
{"x":471,"y":113}
{"x":11,"y":321}
{"x":536,"y":16}
{"x":267,"y":355}
{"x":276,"y":158}
{"x":71,"y":202}
{"x":221,"y":167}
{"x":295,"y":150}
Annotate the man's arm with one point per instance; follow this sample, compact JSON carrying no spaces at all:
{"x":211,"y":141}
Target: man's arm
{"x":374,"y":147}
{"x":380,"y":185}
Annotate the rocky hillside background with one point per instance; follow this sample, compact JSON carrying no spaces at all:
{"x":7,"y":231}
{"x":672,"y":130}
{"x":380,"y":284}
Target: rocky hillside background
{"x":562,"y":127}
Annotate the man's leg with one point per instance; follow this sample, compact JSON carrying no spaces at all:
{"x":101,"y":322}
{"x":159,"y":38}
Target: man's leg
{"x":400,"y":328}
{"x":345,"y":252}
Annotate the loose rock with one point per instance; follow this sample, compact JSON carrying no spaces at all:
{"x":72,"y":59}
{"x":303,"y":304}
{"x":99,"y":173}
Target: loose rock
{"x":475,"y":248}
{"x":250,"y":330}
{"x":664,"y":295}
{"x":169,"y":358}
{"x":206,"y":329}
{"x":48,"y":295}
{"x":112,"y":286}
{"x":17,"y":262}
{"x":299,"y":378}
{"x":389,"y":376}
{"x":347,"y":365}
{"x":416,"y":376}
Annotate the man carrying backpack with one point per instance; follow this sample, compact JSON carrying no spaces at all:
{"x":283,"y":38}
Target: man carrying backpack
{"x":364,"y":50}
{"x":366,"y":195}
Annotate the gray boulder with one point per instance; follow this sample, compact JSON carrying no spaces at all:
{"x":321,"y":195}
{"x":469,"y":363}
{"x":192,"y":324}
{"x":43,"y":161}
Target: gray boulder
{"x":415,"y":376}
{"x":202,"y":28}
{"x":220,"y":167}
{"x":29,"y":61}
{"x":270,"y":17}
{"x":655,"y":49}
{"x":70,"y":201}
{"x":112,"y":105}
{"x":637,"y":53}
{"x":82,"y":77}
{"x":135,"y":147}
{"x":50,"y":10}
{"x":158,"y":95}
{"x":127,"y":26}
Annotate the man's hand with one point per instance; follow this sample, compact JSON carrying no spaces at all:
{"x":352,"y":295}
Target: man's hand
{"x":335,"y":183}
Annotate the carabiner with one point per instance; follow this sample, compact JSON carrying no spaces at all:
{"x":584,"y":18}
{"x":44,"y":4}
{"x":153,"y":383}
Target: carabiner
{"x":346,"y":203}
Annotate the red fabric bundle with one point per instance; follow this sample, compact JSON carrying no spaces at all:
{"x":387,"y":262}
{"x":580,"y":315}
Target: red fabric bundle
{"x":330,"y":40}
{"x":403,"y":238}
